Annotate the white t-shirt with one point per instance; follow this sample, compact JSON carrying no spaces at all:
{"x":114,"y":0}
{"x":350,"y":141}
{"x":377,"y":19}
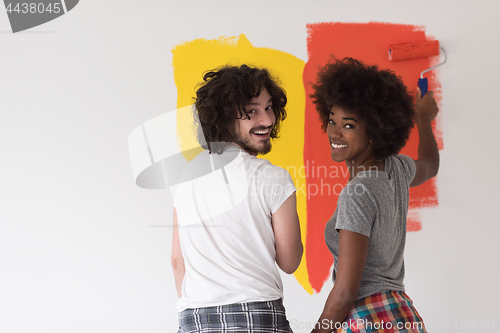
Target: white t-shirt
{"x":224,"y":205}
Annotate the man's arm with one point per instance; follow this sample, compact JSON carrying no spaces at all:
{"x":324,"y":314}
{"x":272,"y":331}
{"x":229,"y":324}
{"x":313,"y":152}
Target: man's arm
{"x":286,"y":229}
{"x":177,"y":258}
{"x":427,"y":164}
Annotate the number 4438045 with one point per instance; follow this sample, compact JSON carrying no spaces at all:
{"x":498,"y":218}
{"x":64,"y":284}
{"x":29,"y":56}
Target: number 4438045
{"x":473,"y":324}
{"x":33,"y":7}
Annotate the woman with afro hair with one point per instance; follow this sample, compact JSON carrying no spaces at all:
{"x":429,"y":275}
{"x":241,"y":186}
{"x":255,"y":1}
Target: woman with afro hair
{"x":368,"y":114}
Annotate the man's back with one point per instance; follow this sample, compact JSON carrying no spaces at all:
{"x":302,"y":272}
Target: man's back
{"x":224,"y":209}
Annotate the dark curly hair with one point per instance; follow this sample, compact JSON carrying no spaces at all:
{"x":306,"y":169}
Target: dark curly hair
{"x":223,"y":96}
{"x":379,"y":97}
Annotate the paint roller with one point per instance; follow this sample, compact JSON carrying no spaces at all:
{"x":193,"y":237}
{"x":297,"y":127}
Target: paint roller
{"x":408,"y":51}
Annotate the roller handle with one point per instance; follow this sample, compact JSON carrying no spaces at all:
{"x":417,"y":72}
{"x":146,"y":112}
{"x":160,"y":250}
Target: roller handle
{"x":422,"y":84}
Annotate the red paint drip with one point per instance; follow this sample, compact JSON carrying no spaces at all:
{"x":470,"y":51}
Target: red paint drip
{"x":368,"y":43}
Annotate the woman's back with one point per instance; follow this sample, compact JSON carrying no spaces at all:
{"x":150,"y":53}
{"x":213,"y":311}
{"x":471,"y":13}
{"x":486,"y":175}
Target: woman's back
{"x":375,"y":204}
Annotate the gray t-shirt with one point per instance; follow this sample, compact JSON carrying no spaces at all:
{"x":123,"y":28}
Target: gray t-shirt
{"x":375,"y":204}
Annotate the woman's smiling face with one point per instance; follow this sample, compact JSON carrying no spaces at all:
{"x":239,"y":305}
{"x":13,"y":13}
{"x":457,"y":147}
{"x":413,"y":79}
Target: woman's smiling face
{"x":349,"y":141}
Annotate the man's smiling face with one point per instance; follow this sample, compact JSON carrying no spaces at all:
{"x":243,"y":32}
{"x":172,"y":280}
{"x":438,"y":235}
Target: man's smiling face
{"x":253,"y":133}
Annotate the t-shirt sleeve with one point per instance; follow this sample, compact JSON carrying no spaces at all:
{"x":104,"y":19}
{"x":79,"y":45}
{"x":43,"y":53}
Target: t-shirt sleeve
{"x":407,"y":164}
{"x":276,"y":186}
{"x":356,"y":209}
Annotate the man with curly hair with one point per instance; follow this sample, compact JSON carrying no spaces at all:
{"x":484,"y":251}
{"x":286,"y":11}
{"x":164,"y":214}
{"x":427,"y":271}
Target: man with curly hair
{"x":368,"y":115}
{"x":235,"y":215}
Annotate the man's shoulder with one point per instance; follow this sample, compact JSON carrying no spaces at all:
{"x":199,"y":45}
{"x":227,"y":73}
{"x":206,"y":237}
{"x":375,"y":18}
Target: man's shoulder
{"x":261,"y":167}
{"x":264,"y":164}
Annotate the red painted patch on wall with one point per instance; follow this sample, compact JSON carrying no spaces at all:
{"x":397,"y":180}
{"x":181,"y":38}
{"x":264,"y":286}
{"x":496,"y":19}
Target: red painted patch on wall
{"x":368,"y":43}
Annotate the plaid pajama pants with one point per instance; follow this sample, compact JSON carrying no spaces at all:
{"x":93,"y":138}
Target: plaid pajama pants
{"x":390,"y":311}
{"x":254,"y":317}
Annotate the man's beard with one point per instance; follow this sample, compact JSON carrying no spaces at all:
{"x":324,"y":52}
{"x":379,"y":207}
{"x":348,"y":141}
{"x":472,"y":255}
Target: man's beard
{"x":246,"y":144}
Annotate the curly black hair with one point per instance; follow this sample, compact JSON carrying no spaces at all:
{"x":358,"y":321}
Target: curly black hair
{"x":379,"y":97}
{"x":223,"y":96}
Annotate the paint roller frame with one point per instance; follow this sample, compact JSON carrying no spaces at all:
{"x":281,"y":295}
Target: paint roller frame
{"x":418,"y":50}
{"x":422,"y":82}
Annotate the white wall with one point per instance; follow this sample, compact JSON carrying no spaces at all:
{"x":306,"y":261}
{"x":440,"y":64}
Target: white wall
{"x":79,"y":250}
